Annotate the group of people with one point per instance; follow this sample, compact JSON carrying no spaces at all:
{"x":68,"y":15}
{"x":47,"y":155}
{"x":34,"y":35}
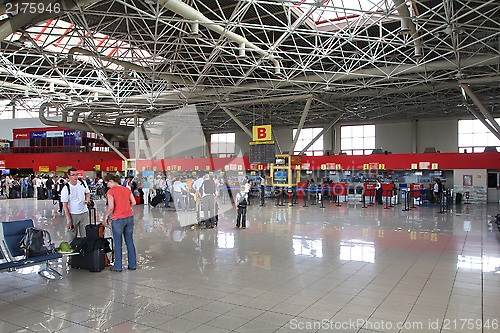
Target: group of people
{"x":41,"y":187}
{"x":200,"y":194}
{"x":75,"y":198}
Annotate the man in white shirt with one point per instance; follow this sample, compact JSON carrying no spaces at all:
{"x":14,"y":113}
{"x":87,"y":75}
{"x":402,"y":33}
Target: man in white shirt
{"x":75,"y":196}
{"x":37,"y":183}
{"x":179,"y":188}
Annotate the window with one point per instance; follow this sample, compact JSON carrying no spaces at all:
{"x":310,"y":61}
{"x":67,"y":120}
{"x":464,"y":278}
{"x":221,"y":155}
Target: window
{"x":223,"y":144}
{"x":473,"y":136}
{"x":305,"y":137}
{"x":357,"y":140}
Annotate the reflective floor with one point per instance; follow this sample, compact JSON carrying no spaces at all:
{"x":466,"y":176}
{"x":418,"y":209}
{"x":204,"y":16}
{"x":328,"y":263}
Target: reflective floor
{"x":300,"y":269}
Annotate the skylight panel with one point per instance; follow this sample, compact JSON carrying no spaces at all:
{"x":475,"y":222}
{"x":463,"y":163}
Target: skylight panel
{"x":59,"y":36}
{"x":335,"y":13}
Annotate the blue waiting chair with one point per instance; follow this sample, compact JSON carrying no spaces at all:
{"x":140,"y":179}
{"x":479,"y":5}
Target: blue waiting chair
{"x":12,"y":255}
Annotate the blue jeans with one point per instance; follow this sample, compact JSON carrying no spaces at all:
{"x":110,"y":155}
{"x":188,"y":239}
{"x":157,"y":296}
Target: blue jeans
{"x":167,"y":198}
{"x":123,"y":227}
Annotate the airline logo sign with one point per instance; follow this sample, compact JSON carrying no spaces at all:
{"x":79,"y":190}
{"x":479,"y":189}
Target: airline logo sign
{"x":38,"y":135}
{"x":55,"y":134}
{"x":72,"y":133}
{"x":2,"y":164}
{"x":262,"y":133}
{"x":19,"y":136}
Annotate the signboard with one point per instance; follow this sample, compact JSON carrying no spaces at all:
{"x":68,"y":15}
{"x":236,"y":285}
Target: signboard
{"x":55,"y":134}
{"x":295,"y":159}
{"x":262,"y":133}
{"x":43,"y":168}
{"x":19,"y":136}
{"x":262,"y":152}
{"x":80,"y":173}
{"x":424,"y":165}
{"x":38,"y":135}
{"x":72,"y":133}
{"x":2,"y":164}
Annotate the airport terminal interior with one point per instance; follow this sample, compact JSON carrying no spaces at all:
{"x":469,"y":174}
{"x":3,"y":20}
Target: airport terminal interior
{"x":343,"y":93}
{"x":294,"y":269}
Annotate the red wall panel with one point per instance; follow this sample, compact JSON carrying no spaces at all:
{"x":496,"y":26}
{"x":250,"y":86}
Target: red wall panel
{"x":443,"y":161}
{"x":81,"y":161}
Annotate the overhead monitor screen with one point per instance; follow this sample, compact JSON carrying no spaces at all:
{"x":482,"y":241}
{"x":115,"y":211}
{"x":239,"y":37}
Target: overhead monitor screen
{"x":280,"y":176}
{"x":280,"y":161}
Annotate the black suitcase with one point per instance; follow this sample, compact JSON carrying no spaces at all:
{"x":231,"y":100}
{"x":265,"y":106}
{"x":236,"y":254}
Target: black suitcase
{"x":160,"y":197}
{"x":93,"y":229}
{"x":93,"y":261}
{"x":93,"y":256}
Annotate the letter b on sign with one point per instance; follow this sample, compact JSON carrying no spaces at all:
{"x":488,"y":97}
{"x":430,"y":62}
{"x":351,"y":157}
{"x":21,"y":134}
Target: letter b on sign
{"x":261,"y":133}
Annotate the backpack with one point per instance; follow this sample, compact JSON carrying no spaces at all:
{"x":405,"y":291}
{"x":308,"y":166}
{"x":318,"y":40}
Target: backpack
{"x":37,"y":242}
{"x":242,"y":200}
{"x":208,"y":187}
{"x":69,"y":189}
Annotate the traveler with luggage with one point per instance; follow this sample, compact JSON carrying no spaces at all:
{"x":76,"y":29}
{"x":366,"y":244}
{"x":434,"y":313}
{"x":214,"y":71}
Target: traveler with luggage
{"x":121,"y":218}
{"x":75,"y":196}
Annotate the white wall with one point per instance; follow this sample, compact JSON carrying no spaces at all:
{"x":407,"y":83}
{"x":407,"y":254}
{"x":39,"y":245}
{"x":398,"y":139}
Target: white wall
{"x":395,"y":137}
{"x":441,"y":134}
{"x":242,"y":143}
{"x":403,"y":137}
{"x":478,"y":190}
{"x":186,"y":145}
{"x":9,"y":124}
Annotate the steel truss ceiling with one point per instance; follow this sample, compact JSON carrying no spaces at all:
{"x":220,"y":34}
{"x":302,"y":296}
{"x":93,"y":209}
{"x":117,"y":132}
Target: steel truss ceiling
{"x":103,"y":61}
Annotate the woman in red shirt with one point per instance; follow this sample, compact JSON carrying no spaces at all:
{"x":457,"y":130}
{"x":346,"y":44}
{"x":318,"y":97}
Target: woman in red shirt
{"x":120,"y":202}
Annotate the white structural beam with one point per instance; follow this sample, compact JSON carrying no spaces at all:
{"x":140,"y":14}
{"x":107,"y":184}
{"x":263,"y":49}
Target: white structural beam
{"x":301,"y":124}
{"x":237,"y":121}
{"x":482,"y":108}
{"x":330,"y":125}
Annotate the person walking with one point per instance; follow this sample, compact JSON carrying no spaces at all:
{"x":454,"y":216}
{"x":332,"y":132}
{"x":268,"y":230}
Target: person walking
{"x":145,"y":190}
{"x":119,"y":213}
{"x":207,"y":194}
{"x":241,"y":208}
{"x":179,"y":188}
{"x":167,"y":189}
{"x":75,"y":196}
{"x":379,"y":192}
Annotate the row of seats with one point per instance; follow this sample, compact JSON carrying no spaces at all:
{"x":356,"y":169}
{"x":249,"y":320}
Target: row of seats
{"x":12,"y":255}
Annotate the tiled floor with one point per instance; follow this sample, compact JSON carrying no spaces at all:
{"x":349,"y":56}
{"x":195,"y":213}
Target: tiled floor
{"x":297,"y":269}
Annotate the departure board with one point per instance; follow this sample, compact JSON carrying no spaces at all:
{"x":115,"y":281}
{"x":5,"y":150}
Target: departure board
{"x":262,"y":152}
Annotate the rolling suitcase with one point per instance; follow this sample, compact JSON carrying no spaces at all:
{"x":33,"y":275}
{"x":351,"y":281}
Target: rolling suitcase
{"x":93,"y":247}
{"x":159,"y":197}
{"x":91,"y":257}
